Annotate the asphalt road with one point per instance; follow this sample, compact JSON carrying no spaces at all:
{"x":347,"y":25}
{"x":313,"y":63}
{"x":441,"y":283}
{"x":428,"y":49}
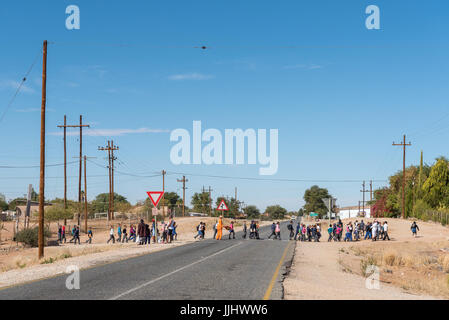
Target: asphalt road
{"x":208,"y":269}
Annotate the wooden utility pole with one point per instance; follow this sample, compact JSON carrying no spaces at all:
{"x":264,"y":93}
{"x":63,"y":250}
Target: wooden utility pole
{"x":112,"y":180}
{"x":163,"y":190}
{"x":404,"y":145}
{"x":363,"y":191}
{"x":85,"y":194}
{"x":110,"y":149}
{"x":80,"y":126}
{"x":209,"y":198}
{"x":42,"y":161}
{"x":183,"y":194}
{"x":210,"y":202}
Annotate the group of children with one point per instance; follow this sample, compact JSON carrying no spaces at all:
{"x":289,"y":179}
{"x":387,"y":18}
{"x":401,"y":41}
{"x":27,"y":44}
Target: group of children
{"x":142,"y":234}
{"x":374,"y":231}
{"x":75,"y":233}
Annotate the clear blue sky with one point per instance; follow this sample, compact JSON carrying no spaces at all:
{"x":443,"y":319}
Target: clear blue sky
{"x":339,"y":96}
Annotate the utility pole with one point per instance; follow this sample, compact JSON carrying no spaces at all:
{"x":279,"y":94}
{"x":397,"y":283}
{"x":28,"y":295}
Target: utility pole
{"x":404,"y":145}
{"x":110,"y":148}
{"x":81,"y":126}
{"x":163,"y":190}
{"x":65,"y":163}
{"x":363,"y":191}
{"x":183,"y":194}
{"x":209,"y":191}
{"x":112,"y":180}
{"x":42,"y":160}
{"x":371,"y":197}
{"x":210,"y":201}
{"x":85,"y":195}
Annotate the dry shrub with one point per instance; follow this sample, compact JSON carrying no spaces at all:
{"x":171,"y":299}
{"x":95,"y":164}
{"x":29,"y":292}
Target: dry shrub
{"x":444,"y":262}
{"x":409,"y":260}
{"x":391,"y":258}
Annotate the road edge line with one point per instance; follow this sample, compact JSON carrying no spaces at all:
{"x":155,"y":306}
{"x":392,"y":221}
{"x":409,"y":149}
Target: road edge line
{"x":275,"y":275}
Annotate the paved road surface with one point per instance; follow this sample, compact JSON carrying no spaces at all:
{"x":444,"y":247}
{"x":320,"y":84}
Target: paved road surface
{"x":208,"y":269}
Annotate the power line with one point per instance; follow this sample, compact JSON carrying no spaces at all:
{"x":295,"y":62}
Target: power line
{"x":19,"y":87}
{"x":272,"y":179}
{"x":32,"y":167}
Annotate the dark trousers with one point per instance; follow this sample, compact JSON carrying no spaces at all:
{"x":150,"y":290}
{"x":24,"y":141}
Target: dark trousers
{"x":111,"y":237}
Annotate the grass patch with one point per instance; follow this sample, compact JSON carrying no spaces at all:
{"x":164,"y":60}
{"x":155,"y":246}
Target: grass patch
{"x":48,"y":261}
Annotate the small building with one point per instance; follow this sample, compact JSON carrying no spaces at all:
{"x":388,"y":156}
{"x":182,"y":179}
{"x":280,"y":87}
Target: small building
{"x":354,"y":212}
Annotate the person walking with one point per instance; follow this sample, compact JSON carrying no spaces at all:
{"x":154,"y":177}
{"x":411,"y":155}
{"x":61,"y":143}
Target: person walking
{"x":125,"y":234}
{"x":273,"y":231}
{"x":374,"y":231}
{"x":141,"y":231}
{"x":132,"y":233}
{"x":175,"y":234}
{"x":119,"y":233}
{"x":89,"y":236}
{"x":414,"y":227}
{"x":60,"y":234}
{"x":63,"y":235}
{"x":385,"y":228}
{"x":220,"y":228}
{"x":147,"y":234}
{"x":298,"y":231}
{"x":245,"y":230}
{"x":215,"y":228}
{"x":111,"y":235}
{"x":330,"y":232}
{"x":199,"y":230}
{"x":290,"y":228}
{"x":76,"y":235}
{"x":278,"y":231}
{"x":231,"y":230}
{"x":171,"y":226}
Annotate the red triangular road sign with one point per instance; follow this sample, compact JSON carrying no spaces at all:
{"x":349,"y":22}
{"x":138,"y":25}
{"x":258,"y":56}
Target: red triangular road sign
{"x":155,"y":196}
{"x":222,"y":206}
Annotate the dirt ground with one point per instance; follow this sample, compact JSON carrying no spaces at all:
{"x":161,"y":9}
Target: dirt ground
{"x":19,"y":264}
{"x":410,"y":268}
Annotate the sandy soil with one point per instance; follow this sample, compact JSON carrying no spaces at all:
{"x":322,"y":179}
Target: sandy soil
{"x":21,"y":265}
{"x":410,"y":268}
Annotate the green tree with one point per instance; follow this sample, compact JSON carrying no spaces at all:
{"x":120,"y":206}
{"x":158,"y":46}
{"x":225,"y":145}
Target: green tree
{"x":56,"y":213}
{"x":101,"y":202}
{"x":252,"y":212}
{"x":3,"y":204}
{"x":201,"y":202}
{"x":314,"y":203}
{"x":276,"y":212}
{"x":436,"y":187}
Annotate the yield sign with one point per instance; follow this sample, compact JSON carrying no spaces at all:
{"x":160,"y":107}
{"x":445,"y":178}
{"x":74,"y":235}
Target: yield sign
{"x":155,"y":196}
{"x":222,"y":206}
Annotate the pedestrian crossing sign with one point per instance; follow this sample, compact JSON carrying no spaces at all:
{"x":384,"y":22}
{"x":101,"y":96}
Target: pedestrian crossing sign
{"x":222,"y":206}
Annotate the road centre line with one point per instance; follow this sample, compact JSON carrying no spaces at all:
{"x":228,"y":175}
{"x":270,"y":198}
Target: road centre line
{"x":171,"y":273}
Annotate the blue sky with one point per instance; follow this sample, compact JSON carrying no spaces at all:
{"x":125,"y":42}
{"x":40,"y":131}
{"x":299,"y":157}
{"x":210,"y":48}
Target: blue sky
{"x":338,"y":93}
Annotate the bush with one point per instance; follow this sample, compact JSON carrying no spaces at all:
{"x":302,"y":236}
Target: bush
{"x":30,"y":236}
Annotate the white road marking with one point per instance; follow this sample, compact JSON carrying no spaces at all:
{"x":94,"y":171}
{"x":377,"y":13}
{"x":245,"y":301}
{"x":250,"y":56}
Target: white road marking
{"x":171,"y":273}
